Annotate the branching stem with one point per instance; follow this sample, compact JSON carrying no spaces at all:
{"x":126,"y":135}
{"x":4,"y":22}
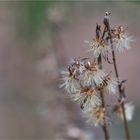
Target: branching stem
{"x":119,"y":86}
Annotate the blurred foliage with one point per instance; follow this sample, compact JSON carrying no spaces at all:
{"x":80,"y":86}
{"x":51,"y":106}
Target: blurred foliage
{"x":36,"y":14}
{"x":36,"y":11}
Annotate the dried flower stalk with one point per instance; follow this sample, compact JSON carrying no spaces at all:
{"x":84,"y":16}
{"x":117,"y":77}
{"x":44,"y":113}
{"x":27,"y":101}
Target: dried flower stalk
{"x":88,"y":85}
{"x":121,"y":93}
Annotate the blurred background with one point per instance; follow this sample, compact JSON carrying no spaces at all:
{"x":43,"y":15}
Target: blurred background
{"x":37,"y":40}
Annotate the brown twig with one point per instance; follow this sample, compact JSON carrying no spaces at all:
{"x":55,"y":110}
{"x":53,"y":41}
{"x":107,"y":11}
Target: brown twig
{"x":119,"y":86}
{"x":105,"y":126}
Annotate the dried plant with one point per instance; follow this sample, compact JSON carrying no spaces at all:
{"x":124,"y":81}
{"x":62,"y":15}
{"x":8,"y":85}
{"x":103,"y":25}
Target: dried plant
{"x":88,"y":84}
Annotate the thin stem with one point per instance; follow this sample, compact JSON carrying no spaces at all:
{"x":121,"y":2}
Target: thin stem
{"x":119,"y":86}
{"x":105,"y":126}
{"x":99,"y":61}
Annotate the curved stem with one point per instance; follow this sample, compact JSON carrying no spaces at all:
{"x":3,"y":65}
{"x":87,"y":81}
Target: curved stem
{"x":119,"y":86}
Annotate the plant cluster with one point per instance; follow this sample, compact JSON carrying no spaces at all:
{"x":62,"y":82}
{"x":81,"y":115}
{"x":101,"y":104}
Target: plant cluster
{"x":88,"y":85}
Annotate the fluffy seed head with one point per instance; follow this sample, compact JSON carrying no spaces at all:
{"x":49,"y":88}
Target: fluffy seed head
{"x":121,"y":40}
{"x":129,"y":111}
{"x":95,"y":115}
{"x":98,"y":46}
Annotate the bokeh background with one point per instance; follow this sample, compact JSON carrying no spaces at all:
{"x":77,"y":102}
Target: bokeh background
{"x":37,"y":40}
